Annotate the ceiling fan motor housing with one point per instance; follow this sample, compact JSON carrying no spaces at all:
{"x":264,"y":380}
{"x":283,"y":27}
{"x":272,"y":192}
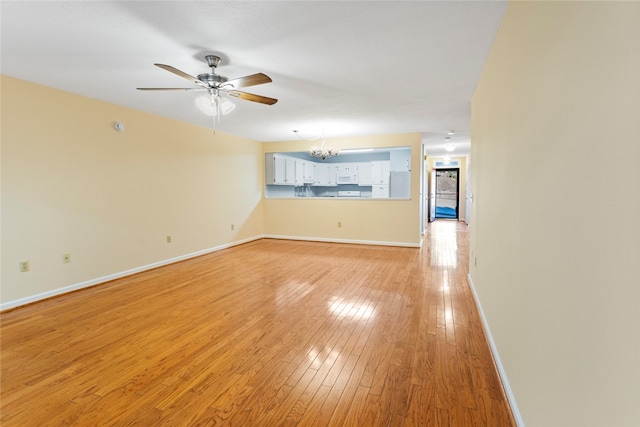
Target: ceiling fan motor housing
{"x":212,"y":79}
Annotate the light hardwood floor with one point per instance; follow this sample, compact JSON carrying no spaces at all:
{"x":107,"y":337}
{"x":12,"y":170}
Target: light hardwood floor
{"x":268,"y":333}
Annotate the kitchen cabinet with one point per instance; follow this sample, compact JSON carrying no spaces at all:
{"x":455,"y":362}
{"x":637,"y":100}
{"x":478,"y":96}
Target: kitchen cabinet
{"x":365,"y":174}
{"x":308,"y":172}
{"x":347,"y":173}
{"x":325,"y":175}
{"x":305,"y":172}
{"x":298,"y":175}
{"x":400,"y":160}
{"x":380,"y":191}
{"x":380,"y":172}
{"x":280,"y":170}
{"x":290,"y":170}
{"x":299,"y":172}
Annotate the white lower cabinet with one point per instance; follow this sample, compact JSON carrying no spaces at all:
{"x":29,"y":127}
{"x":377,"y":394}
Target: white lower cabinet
{"x":380,"y":191}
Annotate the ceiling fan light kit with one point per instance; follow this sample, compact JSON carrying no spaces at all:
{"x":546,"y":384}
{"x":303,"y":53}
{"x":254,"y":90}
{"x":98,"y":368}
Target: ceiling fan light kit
{"x":217,"y":85}
{"x":207,"y":104}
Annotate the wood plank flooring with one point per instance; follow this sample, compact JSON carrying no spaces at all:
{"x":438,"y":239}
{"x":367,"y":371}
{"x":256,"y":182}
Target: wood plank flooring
{"x":269,"y":333}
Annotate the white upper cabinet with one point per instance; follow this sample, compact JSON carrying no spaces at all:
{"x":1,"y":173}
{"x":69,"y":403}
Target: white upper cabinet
{"x":280,"y":170}
{"x":275,"y":170}
{"x":290,"y":170}
{"x":299,"y":172}
{"x":308,"y":172}
{"x":400,"y":160}
{"x":325,"y":174}
{"x":365,"y":174}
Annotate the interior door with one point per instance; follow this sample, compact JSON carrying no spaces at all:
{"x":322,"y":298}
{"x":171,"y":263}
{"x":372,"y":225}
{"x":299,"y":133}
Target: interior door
{"x":423,"y":193}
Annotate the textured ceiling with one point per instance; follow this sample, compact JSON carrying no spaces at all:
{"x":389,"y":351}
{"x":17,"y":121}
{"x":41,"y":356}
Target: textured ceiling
{"x":338,"y":68}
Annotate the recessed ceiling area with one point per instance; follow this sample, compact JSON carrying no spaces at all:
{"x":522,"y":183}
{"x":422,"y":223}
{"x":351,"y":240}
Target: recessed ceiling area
{"x":339,"y":69}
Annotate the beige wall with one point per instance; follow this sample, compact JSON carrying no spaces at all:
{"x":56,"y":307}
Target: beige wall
{"x":557,"y":268}
{"x":368,"y":220}
{"x":72,"y":184}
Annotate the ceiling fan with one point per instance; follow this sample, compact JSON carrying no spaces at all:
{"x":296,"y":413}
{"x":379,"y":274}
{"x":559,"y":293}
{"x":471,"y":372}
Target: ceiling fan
{"x":216,"y":84}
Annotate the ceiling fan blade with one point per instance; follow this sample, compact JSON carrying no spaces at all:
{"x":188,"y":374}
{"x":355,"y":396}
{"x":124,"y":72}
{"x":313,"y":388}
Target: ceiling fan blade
{"x":252,"y":97}
{"x":197,"y":89}
{"x":182,"y":74}
{"x":252,"y":80}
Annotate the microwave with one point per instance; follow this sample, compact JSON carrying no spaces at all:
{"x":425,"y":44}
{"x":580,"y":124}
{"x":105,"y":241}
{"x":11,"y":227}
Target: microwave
{"x":345,"y":179}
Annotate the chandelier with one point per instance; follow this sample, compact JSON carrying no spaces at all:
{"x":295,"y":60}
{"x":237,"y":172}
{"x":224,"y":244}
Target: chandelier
{"x":323,"y":152}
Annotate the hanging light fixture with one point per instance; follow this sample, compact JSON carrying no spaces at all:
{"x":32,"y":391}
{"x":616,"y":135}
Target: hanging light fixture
{"x":214,"y":105}
{"x":449,"y":146}
{"x":322,"y":151}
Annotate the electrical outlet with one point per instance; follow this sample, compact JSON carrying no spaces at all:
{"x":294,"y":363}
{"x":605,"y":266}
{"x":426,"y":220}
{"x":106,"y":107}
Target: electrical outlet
{"x":339,"y":224}
{"x":25,"y":266}
{"x":233,"y":227}
{"x":66,"y":258}
{"x":168,"y":239}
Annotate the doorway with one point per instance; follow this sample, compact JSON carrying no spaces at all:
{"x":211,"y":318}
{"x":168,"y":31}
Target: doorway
{"x":447,"y":187}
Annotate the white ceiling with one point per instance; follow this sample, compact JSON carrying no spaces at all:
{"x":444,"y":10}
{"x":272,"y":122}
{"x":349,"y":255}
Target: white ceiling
{"x":345,"y":68}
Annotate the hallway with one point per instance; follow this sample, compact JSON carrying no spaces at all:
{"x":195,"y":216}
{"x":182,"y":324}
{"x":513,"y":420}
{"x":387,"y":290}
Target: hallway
{"x":269,"y":333}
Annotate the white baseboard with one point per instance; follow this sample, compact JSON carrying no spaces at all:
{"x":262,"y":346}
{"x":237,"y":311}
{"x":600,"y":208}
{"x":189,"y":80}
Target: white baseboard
{"x":496,"y":357}
{"x":55,"y":292}
{"x":331,"y":240}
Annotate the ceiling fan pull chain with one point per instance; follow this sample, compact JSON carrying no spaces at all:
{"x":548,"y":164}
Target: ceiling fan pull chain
{"x":216,"y":110}
{"x":217,"y":116}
